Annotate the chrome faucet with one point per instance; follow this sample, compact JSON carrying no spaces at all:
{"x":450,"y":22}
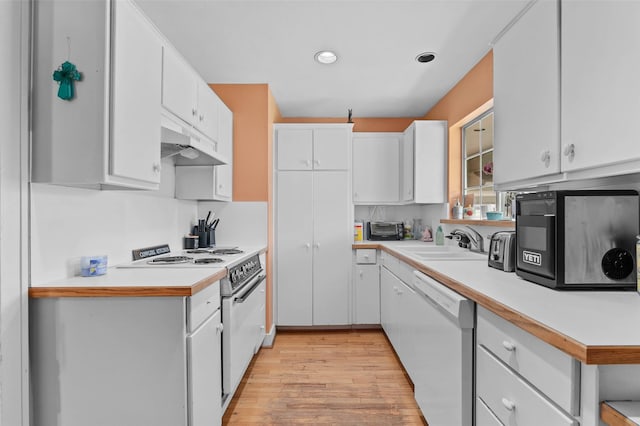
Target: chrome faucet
{"x":470,"y":239}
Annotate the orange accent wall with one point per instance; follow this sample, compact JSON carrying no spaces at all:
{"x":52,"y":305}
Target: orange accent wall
{"x":366,"y":124}
{"x":251,"y":137}
{"x":472,"y":95}
{"x":254,"y":112}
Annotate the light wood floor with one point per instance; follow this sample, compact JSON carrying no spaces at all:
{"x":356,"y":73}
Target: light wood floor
{"x":325,"y":378}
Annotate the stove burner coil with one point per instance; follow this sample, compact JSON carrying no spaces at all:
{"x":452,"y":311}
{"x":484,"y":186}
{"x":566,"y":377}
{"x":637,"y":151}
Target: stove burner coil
{"x":208,"y":260}
{"x":196,"y":251}
{"x":169,"y":260}
{"x":226,"y":251}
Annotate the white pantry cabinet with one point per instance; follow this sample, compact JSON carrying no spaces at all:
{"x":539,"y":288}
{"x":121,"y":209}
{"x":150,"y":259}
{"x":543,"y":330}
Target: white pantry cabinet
{"x":376,"y":168}
{"x":106,"y":361}
{"x":314,"y":233}
{"x":424,"y":162}
{"x":526,"y":85}
{"x":301,"y":147}
{"x":108,"y":135}
{"x":210,"y":182}
{"x":600,"y":96}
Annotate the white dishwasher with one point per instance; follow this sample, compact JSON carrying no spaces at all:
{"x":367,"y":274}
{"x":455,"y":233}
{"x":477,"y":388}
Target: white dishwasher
{"x":443,"y":378}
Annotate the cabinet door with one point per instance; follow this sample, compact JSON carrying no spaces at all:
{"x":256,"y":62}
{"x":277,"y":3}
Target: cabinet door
{"x":430,"y":160}
{"x":366,"y":279}
{"x":135,"y":96}
{"x":406,"y":192}
{"x":376,"y":168}
{"x":205,"y":374}
{"x":600,"y":97}
{"x":294,"y":149}
{"x":294,"y":222}
{"x":224,"y":173}
{"x":388,"y":288}
{"x":526,"y":97}
{"x":207,"y":111}
{"x":179,"y":90}
{"x":333,"y":237}
{"x":331,"y":149}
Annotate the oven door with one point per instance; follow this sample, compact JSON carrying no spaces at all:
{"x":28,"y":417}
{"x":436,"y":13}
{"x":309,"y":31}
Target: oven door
{"x":243,"y":317}
{"x":536,"y":246}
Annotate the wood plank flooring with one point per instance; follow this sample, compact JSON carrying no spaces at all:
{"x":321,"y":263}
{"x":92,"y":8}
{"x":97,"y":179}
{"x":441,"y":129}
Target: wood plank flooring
{"x":341,"y":377}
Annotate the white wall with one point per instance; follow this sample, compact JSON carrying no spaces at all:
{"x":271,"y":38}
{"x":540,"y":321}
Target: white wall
{"x":241,"y":223}
{"x":67,"y":223}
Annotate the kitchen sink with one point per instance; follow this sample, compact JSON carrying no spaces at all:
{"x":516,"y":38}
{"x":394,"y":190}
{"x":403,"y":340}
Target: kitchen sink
{"x":451,"y":255}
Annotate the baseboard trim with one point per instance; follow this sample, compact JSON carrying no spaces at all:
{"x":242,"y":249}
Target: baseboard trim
{"x":269,"y":337}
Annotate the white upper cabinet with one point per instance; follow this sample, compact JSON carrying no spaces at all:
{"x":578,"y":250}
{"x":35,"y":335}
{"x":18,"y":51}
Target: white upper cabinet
{"x":425,"y":162}
{"x":376,"y":168}
{"x":305,"y":147}
{"x":526,"y":85}
{"x":179,"y":86}
{"x":600,"y":85}
{"x":135,"y":106}
{"x":224,"y":173}
{"x":593,"y":79}
{"x":108,"y":134}
{"x":186,"y":95}
{"x":401,"y":168}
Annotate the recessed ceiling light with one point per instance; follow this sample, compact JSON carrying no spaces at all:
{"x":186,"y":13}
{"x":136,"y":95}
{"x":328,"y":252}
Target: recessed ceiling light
{"x":326,"y":57}
{"x":425,"y":57}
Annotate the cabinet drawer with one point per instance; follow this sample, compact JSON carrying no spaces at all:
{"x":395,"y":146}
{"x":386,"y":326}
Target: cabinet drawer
{"x":399,"y":268}
{"x":512,"y":399}
{"x":366,"y":256}
{"x":552,"y":371}
{"x":484,"y":416}
{"x":202,"y":304}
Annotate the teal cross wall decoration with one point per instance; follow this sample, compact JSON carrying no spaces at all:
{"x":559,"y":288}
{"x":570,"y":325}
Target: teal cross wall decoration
{"x":65,"y":75}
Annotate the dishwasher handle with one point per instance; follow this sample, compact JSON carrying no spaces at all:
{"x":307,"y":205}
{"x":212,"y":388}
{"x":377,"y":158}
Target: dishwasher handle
{"x":456,"y":306}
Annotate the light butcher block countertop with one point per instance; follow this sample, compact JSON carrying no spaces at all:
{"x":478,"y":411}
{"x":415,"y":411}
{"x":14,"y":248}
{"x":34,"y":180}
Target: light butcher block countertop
{"x":140,"y":282}
{"x":595,"y":327}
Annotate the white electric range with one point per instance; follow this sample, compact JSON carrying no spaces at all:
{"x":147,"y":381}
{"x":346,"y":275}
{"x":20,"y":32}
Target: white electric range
{"x":243,"y":300}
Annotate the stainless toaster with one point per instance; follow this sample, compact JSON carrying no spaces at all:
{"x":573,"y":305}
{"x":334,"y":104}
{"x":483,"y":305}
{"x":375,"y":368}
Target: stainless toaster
{"x":502,"y":251}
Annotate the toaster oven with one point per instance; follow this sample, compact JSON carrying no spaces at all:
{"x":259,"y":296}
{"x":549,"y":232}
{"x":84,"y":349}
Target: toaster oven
{"x":385,"y":231}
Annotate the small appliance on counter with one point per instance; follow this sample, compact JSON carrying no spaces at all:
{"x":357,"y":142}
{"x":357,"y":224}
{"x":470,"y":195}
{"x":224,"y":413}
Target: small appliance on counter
{"x":385,"y":231}
{"x":502,"y":251}
{"x":578,"y":240}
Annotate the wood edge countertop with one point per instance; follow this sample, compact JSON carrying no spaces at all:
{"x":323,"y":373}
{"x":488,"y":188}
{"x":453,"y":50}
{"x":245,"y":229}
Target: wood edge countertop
{"x":578,"y":350}
{"x":127,"y":291}
{"x":59,"y":289}
{"x":613,"y":417}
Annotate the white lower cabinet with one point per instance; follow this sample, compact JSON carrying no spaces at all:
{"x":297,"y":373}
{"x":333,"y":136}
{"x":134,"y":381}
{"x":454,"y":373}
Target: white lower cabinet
{"x":366,"y":287}
{"x":105,"y":361}
{"x":484,"y":416}
{"x":513,"y":400}
{"x":521,"y":379}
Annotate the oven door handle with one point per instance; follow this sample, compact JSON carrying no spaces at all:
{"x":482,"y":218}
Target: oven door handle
{"x":257,"y":281}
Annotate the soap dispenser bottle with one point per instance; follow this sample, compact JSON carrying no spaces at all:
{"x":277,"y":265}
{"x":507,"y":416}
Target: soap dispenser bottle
{"x":439,"y":236}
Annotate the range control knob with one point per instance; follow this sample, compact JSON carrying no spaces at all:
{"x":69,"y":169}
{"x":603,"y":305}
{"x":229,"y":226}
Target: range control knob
{"x":617,"y":264}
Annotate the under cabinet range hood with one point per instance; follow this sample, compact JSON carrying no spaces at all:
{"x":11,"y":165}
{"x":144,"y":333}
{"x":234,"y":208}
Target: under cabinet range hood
{"x":187,"y":146}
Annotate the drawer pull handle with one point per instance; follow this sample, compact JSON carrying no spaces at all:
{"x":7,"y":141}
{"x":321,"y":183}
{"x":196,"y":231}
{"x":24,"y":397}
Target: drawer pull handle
{"x":508,"y":404}
{"x":508,"y":345}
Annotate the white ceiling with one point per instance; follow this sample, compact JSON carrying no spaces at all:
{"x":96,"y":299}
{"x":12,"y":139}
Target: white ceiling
{"x":274,"y":42}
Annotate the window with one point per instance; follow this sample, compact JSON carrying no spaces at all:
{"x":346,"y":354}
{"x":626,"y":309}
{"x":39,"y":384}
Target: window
{"x":477,"y":164}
